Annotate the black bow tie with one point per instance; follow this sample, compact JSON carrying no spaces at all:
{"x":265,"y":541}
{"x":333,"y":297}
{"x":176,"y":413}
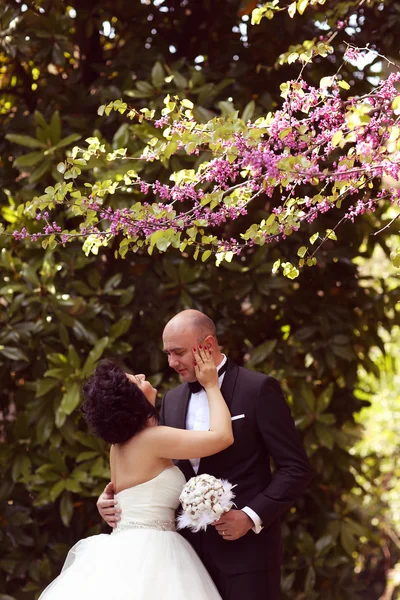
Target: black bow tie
{"x":195,"y":386}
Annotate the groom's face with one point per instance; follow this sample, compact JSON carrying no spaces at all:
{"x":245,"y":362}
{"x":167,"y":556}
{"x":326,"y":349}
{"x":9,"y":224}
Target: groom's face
{"x":178,"y":345}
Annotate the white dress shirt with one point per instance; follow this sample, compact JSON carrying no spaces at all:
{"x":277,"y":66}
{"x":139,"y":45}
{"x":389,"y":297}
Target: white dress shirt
{"x":198,"y":419}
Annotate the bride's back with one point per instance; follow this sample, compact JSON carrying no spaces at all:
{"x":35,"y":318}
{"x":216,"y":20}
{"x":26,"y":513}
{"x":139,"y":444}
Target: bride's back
{"x":133,"y":463}
{"x":152,"y":502}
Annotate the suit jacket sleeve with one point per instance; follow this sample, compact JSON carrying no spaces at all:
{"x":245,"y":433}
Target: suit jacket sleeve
{"x":162,"y":411}
{"x":282,"y":442}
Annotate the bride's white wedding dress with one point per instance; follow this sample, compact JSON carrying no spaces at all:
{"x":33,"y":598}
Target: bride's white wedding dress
{"x":144,"y":558}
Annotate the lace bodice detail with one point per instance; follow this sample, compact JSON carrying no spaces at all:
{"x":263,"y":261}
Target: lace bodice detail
{"x":152,"y":504}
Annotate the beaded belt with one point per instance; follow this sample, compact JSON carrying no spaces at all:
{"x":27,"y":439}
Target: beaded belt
{"x":158,"y":525}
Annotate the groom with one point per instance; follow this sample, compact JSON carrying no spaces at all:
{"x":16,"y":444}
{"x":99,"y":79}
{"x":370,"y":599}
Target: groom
{"x":242,"y":551}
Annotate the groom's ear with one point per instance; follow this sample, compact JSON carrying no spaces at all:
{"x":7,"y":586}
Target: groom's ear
{"x":209,"y":343}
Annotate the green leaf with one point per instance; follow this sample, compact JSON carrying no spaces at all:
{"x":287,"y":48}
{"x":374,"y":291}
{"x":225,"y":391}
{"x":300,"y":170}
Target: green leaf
{"x":345,"y":352}
{"x":226,"y":107}
{"x":327,"y":419}
{"x":66,"y":508}
{"x":301,"y":6}
{"x":44,"y":429}
{"x":179,"y":80}
{"x":292,"y":9}
{"x":145,"y":87}
{"x":395,"y":256}
{"x":304,"y":421}
{"x":40,"y":120}
{"x":343,"y":84}
{"x":337,"y":137}
{"x":187,"y":103}
{"x":13,"y":353}
{"x":87,"y":455}
{"x":121,"y":327}
{"x":55,"y":127}
{"x":28,"y":160}
{"x":71,"y":398}
{"x":43,"y":386}
{"x":112,"y":283}
{"x":325,"y":398}
{"x":248,"y":111}
{"x":324,"y":544}
{"x":326,"y":82}
{"x":87,"y":440}
{"x":94,"y":355}
{"x":325,"y":435}
{"x":259,"y":354}
{"x":302,"y":251}
{"x":59,"y":373}
{"x":25,"y":140}
{"x":21,"y":466}
{"x":314,"y":238}
{"x":276,"y":265}
{"x":271,"y":219}
{"x":290,"y":270}
{"x":308,"y":395}
{"x":38,"y":173}
{"x":73,"y":357}
{"x":310,"y":577}
{"x":347,"y":539}
{"x":70,"y":139}
{"x":157,"y":75}
{"x":285,"y":132}
{"x":73,"y":486}
{"x":330,"y":234}
{"x":396,"y":105}
{"x":57,"y":489}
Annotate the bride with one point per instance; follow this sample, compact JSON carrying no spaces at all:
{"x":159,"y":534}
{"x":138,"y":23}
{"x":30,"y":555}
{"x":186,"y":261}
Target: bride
{"x":143,"y":558}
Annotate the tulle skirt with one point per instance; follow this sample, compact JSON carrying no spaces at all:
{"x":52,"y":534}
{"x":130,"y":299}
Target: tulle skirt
{"x":137,"y":564}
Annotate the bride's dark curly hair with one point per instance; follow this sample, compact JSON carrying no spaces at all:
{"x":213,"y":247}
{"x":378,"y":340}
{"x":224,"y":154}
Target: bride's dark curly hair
{"x":115,"y":408}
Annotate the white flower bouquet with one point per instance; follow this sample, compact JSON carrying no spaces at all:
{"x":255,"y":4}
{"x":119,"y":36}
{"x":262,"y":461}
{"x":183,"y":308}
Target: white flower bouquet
{"x":204,"y":500}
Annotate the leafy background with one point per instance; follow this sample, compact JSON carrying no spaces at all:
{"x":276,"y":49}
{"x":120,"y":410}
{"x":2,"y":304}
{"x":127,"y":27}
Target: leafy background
{"x":324,"y":336}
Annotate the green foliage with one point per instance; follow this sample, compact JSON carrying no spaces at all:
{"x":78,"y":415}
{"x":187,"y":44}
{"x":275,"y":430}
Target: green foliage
{"x":62,"y":310}
{"x":379,"y":449}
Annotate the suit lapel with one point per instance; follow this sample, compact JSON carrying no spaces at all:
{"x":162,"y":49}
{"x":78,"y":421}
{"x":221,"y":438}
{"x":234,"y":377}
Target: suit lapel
{"x":181,"y":404}
{"x":229,"y":382}
{"x":180,"y":407}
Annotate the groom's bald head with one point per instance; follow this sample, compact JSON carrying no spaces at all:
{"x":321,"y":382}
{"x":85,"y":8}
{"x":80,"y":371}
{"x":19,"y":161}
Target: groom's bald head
{"x":185,"y":331}
{"x":194,"y":320}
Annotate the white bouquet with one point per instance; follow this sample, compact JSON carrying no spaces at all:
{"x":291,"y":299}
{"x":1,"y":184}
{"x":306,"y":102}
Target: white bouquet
{"x":204,"y":500}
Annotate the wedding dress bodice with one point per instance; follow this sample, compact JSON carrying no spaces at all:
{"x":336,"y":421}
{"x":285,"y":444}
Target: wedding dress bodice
{"x":152,"y":504}
{"x":144,"y":557}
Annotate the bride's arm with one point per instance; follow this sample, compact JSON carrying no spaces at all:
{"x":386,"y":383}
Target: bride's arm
{"x":169,"y":442}
{"x":181,"y":444}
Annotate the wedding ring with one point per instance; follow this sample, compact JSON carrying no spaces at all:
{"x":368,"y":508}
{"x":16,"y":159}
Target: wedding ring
{"x":223,"y":533}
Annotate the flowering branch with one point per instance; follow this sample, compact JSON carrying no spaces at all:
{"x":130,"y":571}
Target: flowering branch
{"x":317,"y":151}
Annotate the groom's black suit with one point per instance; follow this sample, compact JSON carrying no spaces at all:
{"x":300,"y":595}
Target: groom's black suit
{"x":267,"y":431}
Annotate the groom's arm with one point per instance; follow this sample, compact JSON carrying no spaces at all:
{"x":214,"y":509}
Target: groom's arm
{"x":282,"y":442}
{"x":162,"y":411}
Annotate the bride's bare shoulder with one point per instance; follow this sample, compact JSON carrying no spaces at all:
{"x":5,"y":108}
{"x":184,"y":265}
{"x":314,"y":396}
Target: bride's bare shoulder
{"x":155,"y":432}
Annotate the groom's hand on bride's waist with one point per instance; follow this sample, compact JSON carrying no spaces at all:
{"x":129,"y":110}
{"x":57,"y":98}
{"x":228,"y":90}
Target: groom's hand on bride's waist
{"x":108,"y":506}
{"x":233,"y":525}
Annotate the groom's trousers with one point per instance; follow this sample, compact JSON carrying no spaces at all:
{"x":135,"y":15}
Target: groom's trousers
{"x":256,"y":585}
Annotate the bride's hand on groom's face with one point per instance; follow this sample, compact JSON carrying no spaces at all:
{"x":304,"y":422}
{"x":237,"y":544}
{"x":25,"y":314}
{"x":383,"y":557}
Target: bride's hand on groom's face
{"x":233,"y":525}
{"x":108,"y":506}
{"x":204,"y":366}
